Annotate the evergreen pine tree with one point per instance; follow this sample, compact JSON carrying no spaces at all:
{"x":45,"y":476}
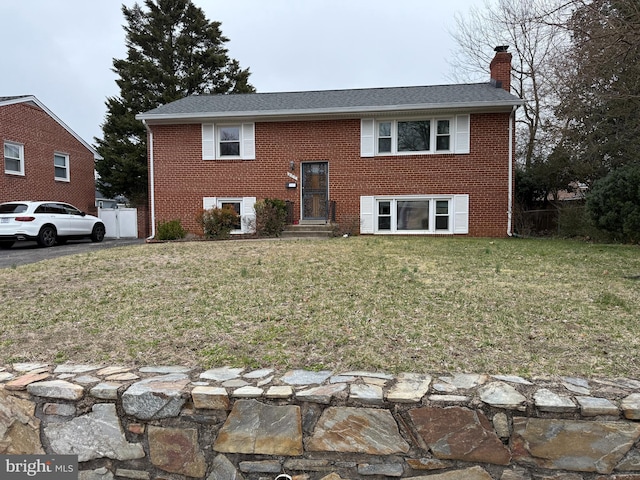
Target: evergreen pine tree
{"x":172,"y":51}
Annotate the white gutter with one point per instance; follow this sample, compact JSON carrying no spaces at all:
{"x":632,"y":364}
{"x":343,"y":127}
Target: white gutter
{"x":510,"y":194}
{"x":152,"y":199}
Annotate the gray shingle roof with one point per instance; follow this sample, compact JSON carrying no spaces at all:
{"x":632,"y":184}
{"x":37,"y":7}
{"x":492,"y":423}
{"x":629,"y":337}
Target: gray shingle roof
{"x":477,"y":95}
{"x":5,"y":99}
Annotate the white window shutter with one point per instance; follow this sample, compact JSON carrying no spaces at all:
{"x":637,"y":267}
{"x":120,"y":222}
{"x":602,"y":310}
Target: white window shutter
{"x":209,"y":202}
{"x":248,"y":214}
{"x":463,"y":137}
{"x":208,"y":142}
{"x":248,"y":141}
{"x":461,"y":214}
{"x":367,"y":214}
{"x":367,"y":137}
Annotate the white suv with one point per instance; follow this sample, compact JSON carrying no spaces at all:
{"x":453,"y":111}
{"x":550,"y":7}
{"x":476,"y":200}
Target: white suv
{"x":47,"y":223}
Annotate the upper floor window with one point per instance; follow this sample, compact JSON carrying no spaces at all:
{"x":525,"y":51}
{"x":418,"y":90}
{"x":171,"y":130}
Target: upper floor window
{"x":384,"y":137}
{"x":228,"y":141}
{"x":13,"y":158}
{"x":443,"y":136}
{"x":61,"y":166}
{"x":415,"y":136}
{"x":229,"y":144}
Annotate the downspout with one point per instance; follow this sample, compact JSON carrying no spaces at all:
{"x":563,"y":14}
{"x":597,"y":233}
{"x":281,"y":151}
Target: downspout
{"x":151,"y":182}
{"x":510,"y":189}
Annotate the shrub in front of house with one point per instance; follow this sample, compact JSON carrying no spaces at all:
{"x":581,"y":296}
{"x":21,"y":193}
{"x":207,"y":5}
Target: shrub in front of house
{"x":217,"y":223}
{"x":271,"y":217}
{"x":171,"y":230}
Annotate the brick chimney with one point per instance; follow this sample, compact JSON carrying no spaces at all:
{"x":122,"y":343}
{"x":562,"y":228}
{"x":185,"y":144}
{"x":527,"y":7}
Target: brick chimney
{"x":500,"y":68}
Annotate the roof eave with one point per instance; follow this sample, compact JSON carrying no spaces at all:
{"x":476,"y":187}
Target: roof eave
{"x":33,"y":99}
{"x":274,"y":115}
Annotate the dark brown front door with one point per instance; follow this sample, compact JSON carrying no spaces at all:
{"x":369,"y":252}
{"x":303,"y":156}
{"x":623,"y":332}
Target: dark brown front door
{"x":315,"y":191}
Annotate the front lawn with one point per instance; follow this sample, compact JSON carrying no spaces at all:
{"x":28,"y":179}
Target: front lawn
{"x":435,"y":305}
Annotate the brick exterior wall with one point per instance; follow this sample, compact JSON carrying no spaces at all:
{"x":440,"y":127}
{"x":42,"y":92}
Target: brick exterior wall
{"x":182,"y":178}
{"x":41,"y":136}
{"x":500,"y":68}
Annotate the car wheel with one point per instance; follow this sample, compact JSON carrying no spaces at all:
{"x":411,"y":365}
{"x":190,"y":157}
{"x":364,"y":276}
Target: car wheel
{"x":5,"y":245}
{"x":47,"y":236}
{"x":97,"y":234}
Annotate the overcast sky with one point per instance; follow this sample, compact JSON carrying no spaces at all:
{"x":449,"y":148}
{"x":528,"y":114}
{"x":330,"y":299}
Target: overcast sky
{"x":62,"y":51}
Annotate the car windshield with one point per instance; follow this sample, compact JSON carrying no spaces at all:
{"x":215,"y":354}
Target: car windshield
{"x":13,"y":207}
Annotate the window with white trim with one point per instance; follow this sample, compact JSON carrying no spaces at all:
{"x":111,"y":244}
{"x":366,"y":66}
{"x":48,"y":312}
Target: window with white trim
{"x":61,"y":166}
{"x":13,"y":158}
{"x":384,"y":137}
{"x":414,"y":136}
{"x":228,"y":141}
{"x":235,"y":206}
{"x":413,"y":214}
{"x":443,"y":135}
{"x":243,"y":206}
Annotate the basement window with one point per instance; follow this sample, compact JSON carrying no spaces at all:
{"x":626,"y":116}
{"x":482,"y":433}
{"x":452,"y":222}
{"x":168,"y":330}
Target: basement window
{"x":413,"y":215}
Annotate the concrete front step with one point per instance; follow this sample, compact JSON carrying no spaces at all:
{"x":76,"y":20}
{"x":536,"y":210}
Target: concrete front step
{"x":308,"y":231}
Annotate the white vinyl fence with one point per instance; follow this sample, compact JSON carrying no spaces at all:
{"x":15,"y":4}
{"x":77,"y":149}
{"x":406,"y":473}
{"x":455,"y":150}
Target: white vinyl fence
{"x":120,"y":222}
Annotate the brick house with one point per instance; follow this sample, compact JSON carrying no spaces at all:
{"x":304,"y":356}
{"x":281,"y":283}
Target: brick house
{"x":408,"y":160}
{"x":43,"y":158}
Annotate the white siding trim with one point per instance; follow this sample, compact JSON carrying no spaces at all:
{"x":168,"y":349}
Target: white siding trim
{"x":461,"y":214}
{"x":208,"y":142}
{"x":462,"y":135}
{"x":248,"y":214}
{"x":367,"y":214}
{"x":367,"y":137}
{"x":248,"y":141}
{"x":209,"y":202}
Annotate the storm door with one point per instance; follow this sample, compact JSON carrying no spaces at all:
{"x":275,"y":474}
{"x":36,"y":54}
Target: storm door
{"x":315,"y":191}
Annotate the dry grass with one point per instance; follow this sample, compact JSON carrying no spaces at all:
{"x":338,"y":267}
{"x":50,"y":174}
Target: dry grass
{"x":528,"y":307}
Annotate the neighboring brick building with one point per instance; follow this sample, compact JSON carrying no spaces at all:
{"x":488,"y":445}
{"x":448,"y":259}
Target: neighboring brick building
{"x":408,"y":160}
{"x":43,"y":158}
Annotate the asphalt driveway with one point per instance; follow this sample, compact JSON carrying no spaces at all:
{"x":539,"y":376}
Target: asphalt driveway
{"x":23,"y":253}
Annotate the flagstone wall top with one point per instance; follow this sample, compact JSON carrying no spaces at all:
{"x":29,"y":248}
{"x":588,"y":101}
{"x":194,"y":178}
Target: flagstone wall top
{"x":175,"y":422}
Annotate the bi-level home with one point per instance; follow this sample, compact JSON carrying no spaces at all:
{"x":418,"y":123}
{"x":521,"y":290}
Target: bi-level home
{"x":43,"y":158}
{"x":428,"y":160}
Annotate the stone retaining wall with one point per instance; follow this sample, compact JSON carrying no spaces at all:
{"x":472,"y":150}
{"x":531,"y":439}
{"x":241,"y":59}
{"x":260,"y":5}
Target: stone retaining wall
{"x":175,"y":423}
